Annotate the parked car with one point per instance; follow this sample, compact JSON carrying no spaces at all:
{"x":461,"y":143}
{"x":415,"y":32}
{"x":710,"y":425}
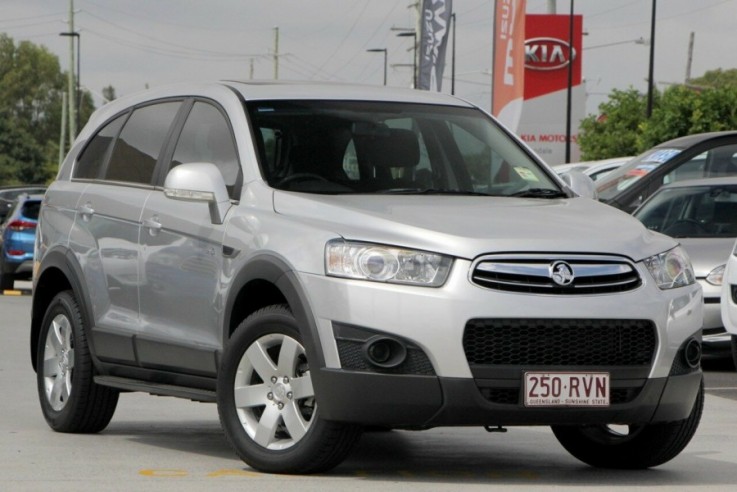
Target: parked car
{"x":316,"y":259}
{"x":729,"y":300}
{"x":17,"y":236}
{"x":702,"y":215}
{"x":593,"y":169}
{"x":697,"y":156}
{"x":9,"y":194}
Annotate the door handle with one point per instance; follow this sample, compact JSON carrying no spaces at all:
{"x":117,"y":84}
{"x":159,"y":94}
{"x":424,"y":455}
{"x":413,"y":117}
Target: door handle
{"x":86,"y":211}
{"x":153,"y":225}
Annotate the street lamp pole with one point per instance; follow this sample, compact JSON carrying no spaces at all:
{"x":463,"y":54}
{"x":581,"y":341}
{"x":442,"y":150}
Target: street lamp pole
{"x":453,"y":59}
{"x":569,"y":92}
{"x":380,"y":50}
{"x":413,"y":34}
{"x":651,"y":69}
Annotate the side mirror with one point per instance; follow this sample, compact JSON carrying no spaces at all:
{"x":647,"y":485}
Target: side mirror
{"x":581,"y":184}
{"x":199,"y":182}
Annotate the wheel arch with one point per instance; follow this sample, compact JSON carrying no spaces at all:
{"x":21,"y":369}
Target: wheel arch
{"x":265,"y":280}
{"x":59,"y":271}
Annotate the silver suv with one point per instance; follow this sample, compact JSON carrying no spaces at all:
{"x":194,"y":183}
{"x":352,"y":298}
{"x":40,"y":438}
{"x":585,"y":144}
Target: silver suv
{"x":319,"y":258}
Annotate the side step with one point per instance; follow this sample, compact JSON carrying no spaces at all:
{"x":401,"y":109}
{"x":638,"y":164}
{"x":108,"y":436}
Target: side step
{"x":157,"y":389}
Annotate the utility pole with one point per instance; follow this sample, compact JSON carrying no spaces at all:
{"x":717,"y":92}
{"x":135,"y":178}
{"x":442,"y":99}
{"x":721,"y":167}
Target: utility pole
{"x":690,"y":57}
{"x":276,"y":53}
{"x":62,"y":140}
{"x":71,"y":78}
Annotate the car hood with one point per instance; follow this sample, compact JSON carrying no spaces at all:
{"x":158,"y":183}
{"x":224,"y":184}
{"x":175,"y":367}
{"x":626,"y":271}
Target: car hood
{"x":707,"y":253}
{"x":470,"y":226}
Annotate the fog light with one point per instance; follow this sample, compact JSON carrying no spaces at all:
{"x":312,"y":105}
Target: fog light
{"x":385,"y":352}
{"x":692,"y":354}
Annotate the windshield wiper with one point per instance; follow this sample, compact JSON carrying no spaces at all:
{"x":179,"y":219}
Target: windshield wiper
{"x":540,"y":193}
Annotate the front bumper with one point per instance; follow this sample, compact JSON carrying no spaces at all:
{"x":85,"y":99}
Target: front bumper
{"x":428,"y":401}
{"x":433,"y":322}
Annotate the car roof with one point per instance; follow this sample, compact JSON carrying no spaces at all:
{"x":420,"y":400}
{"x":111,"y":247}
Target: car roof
{"x":725,"y":181}
{"x":35,"y":196}
{"x":255,"y":90}
{"x":22,"y":187}
{"x":690,"y":140}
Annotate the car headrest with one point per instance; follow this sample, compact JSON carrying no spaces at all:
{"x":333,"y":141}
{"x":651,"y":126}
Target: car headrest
{"x":395,"y":148}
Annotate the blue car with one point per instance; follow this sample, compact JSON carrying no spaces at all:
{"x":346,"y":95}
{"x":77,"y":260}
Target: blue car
{"x":17,"y":237}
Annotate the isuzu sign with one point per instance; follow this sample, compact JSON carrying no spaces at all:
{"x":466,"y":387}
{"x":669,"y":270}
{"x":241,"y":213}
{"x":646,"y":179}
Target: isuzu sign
{"x":547,"y":53}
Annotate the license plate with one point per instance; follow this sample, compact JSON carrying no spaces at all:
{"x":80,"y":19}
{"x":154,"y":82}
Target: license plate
{"x":566,"y":389}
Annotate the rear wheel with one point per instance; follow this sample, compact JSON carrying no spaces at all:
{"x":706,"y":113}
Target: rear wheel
{"x":6,"y":279}
{"x":266,"y":402}
{"x":633,"y":446}
{"x":70,"y":399}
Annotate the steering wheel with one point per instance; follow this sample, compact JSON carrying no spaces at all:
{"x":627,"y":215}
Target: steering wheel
{"x":685,"y":223}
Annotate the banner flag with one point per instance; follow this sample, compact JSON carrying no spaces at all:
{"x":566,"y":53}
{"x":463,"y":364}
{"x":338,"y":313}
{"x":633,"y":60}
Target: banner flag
{"x":434,"y":29}
{"x":508,"y":62}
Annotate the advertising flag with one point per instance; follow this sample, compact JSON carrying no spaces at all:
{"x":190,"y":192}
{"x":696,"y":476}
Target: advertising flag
{"x":434,"y":29}
{"x":509,"y":62}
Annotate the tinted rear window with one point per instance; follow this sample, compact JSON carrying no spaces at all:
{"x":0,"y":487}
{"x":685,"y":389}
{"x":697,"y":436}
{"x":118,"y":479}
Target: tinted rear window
{"x":30,"y":209}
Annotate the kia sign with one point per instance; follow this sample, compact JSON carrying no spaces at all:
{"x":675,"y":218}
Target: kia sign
{"x":546,"y":54}
{"x":542,"y":124}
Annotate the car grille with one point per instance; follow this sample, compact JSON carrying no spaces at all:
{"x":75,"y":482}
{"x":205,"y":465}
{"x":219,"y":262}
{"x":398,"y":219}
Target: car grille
{"x":559,"y":342}
{"x":532,"y":274}
{"x":500,"y":350}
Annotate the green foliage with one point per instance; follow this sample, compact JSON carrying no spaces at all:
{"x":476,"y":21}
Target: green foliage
{"x":716,"y":78}
{"x":615,"y":131}
{"x":622,"y":128}
{"x":31,"y":87}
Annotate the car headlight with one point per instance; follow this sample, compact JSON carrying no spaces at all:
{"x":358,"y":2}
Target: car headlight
{"x":671,"y":269}
{"x":381,"y":263}
{"x":716,"y":276}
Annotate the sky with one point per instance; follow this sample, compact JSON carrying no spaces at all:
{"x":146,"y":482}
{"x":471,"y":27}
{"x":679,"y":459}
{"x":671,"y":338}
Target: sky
{"x":132,"y":44}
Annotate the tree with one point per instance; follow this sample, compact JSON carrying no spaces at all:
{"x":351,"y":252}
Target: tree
{"x":108,"y":93}
{"x":31,"y":87}
{"x":716,"y":78}
{"x":621,"y":128}
{"x":614,"y":132}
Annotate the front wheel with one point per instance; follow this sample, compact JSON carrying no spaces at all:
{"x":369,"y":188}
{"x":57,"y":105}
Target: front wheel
{"x":70,"y":399}
{"x":633,"y":446}
{"x":266,"y":402}
{"x":734,"y":350}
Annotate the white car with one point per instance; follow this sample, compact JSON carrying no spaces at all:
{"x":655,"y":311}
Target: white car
{"x":593,"y":169}
{"x":729,"y":300}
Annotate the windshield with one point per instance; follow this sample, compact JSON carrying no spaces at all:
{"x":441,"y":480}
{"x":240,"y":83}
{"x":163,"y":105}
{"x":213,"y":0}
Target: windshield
{"x":378,"y":147}
{"x":692,"y":211}
{"x":611,"y":185}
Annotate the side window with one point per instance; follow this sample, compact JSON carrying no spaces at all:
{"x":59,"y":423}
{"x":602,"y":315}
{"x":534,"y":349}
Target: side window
{"x":137,"y":149}
{"x":90,"y":163}
{"x":206,"y":137}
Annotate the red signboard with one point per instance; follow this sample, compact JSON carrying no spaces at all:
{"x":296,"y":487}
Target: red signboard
{"x":547,"y":53}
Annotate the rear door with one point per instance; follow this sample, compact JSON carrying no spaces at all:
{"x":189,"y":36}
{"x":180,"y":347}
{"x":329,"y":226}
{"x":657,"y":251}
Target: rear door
{"x":108,"y":219}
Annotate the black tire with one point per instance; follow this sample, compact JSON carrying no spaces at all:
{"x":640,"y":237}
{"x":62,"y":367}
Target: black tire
{"x":6,"y":279}
{"x":278,"y":428}
{"x":644,"y":446}
{"x":734,"y":350}
{"x":70,"y":399}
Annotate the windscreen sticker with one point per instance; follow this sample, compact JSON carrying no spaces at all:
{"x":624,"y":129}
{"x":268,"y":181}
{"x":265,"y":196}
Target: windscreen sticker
{"x":662,"y":155}
{"x":526,"y":174}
